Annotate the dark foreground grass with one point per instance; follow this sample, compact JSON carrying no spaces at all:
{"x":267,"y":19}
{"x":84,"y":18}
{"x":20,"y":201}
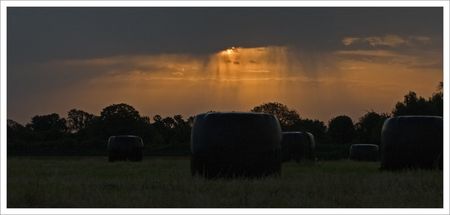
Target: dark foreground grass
{"x":165,"y":182}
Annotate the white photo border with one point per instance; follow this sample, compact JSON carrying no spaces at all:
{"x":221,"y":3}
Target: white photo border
{"x":3,"y":97}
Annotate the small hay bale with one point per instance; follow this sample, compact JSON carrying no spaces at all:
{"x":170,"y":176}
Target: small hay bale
{"x":411,"y":142}
{"x":364,"y":152}
{"x":298,"y":146}
{"x":125,"y":147}
{"x":235,"y":144}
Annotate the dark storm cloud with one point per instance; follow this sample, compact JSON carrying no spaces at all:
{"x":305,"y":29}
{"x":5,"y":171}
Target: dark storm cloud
{"x":43,"y":34}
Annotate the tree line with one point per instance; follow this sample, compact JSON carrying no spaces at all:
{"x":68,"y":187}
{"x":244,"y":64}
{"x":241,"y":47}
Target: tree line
{"x":85,"y":133}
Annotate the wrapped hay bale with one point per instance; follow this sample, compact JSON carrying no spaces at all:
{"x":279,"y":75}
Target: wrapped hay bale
{"x":235,"y":144}
{"x":439,"y":162}
{"x":364,"y":152}
{"x":298,"y":146}
{"x":411,"y":142}
{"x":125,"y":147}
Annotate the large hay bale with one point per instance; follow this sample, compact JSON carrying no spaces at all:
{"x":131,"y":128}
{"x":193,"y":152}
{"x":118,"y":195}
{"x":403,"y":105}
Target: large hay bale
{"x":364,"y":152}
{"x":440,"y":161}
{"x":125,"y":147}
{"x":411,"y":142}
{"x":235,"y":144}
{"x":298,"y":146}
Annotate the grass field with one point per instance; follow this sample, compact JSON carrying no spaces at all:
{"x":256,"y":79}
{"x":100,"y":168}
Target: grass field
{"x":165,"y":182}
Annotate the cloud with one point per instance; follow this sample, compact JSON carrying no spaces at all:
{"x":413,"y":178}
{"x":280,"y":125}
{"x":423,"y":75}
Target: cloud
{"x":388,"y":40}
{"x":361,"y":59}
{"x":144,"y":63}
{"x":254,"y":63}
{"x":421,"y":39}
{"x":188,"y":84}
{"x":368,"y":53}
{"x":350,"y":40}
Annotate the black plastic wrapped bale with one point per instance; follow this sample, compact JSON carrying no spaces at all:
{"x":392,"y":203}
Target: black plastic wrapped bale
{"x":298,"y":146}
{"x":439,"y":162}
{"x":125,"y":147}
{"x":235,"y":144}
{"x":411,"y":142}
{"x":364,"y":152}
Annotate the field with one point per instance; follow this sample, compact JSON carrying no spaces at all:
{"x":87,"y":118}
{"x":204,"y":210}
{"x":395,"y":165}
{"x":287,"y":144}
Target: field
{"x":165,"y":182}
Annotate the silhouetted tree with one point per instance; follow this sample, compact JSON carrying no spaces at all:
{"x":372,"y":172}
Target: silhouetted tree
{"x":286,"y":116}
{"x":341,"y":129}
{"x":16,"y":132}
{"x":182,"y":130}
{"x":168,"y":122}
{"x":190,"y":121}
{"x":48,"y":127}
{"x":437,"y":100}
{"x":78,"y":120}
{"x":178,"y":120}
{"x":315,"y":127}
{"x":158,"y":121}
{"x":48,"y":122}
{"x":119,"y":111}
{"x":159,"y":130}
{"x":369,"y":127}
{"x":169,"y":130}
{"x":121,"y":119}
{"x":49,"y":132}
{"x":412,"y":105}
{"x":13,"y":127}
{"x":146,"y":119}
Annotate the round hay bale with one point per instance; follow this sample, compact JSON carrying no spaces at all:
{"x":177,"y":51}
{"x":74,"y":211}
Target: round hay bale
{"x":364,"y":152}
{"x":439,"y":163}
{"x":411,"y":142}
{"x":125,"y":147}
{"x":235,"y":144}
{"x":298,"y":146}
{"x":311,"y":152}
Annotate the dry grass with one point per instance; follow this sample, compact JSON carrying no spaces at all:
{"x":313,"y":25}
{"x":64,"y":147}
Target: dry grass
{"x":165,"y":182}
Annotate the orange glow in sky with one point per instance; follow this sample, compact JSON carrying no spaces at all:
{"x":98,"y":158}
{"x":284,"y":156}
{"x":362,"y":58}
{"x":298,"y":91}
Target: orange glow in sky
{"x":320,"y":61}
{"x":239,"y":78}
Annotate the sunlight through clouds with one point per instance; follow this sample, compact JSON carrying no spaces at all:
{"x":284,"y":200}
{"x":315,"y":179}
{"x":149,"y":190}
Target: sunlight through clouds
{"x":239,"y":78}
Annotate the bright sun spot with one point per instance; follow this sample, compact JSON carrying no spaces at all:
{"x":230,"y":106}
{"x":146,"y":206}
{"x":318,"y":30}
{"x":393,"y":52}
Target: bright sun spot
{"x":230,"y":51}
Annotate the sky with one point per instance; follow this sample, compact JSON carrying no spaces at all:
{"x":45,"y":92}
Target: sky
{"x":322,"y":62}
